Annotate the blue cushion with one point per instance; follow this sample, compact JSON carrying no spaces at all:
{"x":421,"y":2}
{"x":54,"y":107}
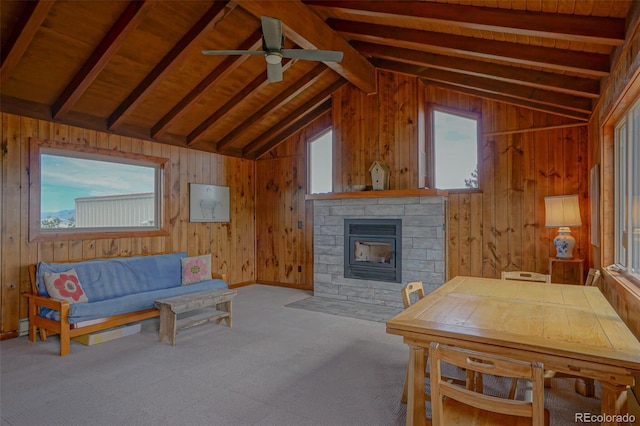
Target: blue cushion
{"x":79,"y":312}
{"x":104,"y":279}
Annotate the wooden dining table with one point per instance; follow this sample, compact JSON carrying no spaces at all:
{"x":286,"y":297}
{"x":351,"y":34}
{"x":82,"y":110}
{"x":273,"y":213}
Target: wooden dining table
{"x":570,"y":329}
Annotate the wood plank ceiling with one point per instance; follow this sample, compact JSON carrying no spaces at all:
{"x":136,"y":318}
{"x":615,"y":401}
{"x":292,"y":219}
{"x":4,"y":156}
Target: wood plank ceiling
{"x":136,"y":68}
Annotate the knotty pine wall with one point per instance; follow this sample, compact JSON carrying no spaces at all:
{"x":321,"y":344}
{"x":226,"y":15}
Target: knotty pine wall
{"x":498,"y":228}
{"x":232,"y":244}
{"x":284,"y":251}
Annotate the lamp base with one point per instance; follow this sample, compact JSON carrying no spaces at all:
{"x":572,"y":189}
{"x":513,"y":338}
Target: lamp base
{"x":564,"y":243}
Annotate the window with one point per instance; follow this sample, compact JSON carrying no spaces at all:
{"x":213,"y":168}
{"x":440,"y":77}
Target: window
{"x":85,"y":192}
{"x":321,"y":163}
{"x":453,"y":148}
{"x":627,"y":191}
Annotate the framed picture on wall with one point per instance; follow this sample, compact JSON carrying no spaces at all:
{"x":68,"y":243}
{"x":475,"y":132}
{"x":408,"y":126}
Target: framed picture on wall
{"x":594,"y":196}
{"x":208,"y":203}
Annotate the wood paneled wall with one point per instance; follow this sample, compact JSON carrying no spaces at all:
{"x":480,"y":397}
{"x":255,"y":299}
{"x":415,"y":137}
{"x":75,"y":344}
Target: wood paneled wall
{"x":284,"y":250}
{"x":498,"y":228}
{"x":382,"y":127}
{"x":502,"y":227}
{"x":232,"y":244}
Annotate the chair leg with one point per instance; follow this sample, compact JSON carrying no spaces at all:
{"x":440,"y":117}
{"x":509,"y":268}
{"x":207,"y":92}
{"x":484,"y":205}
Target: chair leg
{"x":479,"y":384}
{"x":513,"y":389}
{"x":471,"y":383}
{"x":585,"y":386}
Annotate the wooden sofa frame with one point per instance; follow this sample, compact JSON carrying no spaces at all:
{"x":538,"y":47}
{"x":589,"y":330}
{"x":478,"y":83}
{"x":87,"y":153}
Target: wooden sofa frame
{"x":66,"y":330}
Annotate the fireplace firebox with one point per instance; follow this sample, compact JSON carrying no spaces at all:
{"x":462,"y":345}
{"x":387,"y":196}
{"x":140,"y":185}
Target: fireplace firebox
{"x":373,"y":249}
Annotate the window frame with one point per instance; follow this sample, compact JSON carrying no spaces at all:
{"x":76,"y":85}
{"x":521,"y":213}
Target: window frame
{"x":624,"y":130}
{"x":38,"y":147}
{"x":310,"y":140}
{"x":427,"y":175}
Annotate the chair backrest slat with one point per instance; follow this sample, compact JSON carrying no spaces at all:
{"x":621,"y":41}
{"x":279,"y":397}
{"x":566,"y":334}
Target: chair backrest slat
{"x":409,"y":289}
{"x":593,"y":277}
{"x":526,"y":276}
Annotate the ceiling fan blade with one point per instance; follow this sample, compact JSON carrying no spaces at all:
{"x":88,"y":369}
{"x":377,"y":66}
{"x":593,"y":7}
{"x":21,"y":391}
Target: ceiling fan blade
{"x":313,"y":55}
{"x":271,"y":33}
{"x":274,"y":73}
{"x":232,"y":52}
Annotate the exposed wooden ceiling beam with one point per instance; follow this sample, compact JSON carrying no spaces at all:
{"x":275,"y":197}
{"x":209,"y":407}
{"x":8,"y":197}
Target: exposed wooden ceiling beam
{"x":295,"y":121}
{"x":124,"y":26}
{"x":276,"y":103}
{"x":309,"y":31}
{"x":561,"y":83}
{"x":546,"y":57}
{"x":299,"y":125}
{"x":170,"y":62}
{"x":272,"y":137}
{"x":585,"y":29}
{"x":492,"y":86}
{"x":509,"y":89}
{"x":226,"y":67}
{"x":507,"y":99}
{"x":256,"y":84}
{"x":21,"y":36}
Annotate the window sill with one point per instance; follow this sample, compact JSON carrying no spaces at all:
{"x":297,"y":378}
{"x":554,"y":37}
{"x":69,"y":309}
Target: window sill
{"x":629,"y":283}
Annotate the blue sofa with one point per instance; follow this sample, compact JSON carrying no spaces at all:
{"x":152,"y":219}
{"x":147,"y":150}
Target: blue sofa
{"x":119,"y":291}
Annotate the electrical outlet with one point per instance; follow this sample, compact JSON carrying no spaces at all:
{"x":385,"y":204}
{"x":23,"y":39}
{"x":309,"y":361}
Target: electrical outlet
{"x":299,"y":224}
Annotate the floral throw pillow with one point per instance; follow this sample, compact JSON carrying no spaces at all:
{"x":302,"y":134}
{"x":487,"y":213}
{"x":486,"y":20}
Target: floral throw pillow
{"x":65,"y":286}
{"x":196,"y":269}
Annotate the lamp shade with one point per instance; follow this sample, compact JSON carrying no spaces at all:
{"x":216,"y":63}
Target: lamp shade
{"x":562,"y":210}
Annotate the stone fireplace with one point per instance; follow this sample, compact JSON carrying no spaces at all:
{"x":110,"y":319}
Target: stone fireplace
{"x":419,"y":245}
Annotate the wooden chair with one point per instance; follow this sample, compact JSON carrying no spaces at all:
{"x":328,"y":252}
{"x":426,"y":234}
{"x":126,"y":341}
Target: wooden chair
{"x":523,"y":276}
{"x":593,"y":277}
{"x":583,"y":386}
{"x":526,"y":276}
{"x":454,"y":404}
{"x":407,"y":291}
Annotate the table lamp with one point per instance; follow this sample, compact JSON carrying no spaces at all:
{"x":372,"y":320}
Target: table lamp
{"x":563,"y":212}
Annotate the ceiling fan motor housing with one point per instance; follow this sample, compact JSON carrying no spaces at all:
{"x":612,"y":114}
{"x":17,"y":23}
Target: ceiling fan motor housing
{"x":273,"y":57}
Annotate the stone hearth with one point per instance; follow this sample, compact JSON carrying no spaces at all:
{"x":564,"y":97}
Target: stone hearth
{"x":423,"y":250}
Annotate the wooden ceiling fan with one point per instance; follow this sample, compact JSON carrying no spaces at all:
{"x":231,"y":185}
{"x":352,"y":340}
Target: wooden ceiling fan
{"x":273,"y":50}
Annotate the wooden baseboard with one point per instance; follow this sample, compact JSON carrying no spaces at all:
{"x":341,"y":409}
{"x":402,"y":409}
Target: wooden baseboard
{"x":242,"y":284}
{"x":9,"y":335}
{"x":288,"y":285}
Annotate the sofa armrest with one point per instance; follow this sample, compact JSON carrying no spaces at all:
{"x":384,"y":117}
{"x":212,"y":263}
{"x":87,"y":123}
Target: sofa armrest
{"x":47,"y":302}
{"x":62,"y":327}
{"x":223,"y":277}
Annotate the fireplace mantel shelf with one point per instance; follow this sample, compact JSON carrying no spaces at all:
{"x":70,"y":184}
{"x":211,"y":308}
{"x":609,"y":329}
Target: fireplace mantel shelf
{"x":378,"y":194}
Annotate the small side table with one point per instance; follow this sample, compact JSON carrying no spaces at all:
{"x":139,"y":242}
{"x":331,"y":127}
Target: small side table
{"x":579,"y":262}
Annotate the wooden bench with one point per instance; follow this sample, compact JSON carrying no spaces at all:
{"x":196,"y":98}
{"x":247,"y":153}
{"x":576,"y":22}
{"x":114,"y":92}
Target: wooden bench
{"x":171,"y":307}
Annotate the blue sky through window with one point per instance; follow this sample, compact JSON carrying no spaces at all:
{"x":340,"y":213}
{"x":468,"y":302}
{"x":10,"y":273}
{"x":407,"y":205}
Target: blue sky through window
{"x":63,"y":179}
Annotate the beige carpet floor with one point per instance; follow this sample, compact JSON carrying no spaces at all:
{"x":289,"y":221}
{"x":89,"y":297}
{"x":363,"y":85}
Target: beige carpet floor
{"x":276,"y":366}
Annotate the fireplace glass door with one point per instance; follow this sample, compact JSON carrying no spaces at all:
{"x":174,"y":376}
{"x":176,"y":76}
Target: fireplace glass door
{"x":371,"y":249}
